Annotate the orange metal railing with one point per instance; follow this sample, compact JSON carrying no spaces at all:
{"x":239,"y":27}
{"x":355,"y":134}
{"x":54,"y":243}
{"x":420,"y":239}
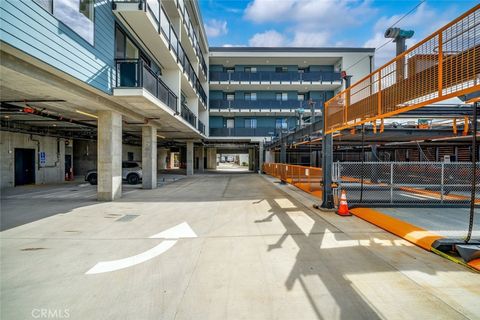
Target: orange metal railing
{"x":446,"y":64}
{"x":308,"y":179}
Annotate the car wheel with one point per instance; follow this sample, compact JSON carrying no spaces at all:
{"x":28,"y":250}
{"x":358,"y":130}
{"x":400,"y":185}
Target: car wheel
{"x":133,"y":179}
{"x":92,"y":179}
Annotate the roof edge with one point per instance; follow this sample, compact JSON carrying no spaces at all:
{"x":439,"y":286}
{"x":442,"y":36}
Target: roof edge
{"x":290,"y":49}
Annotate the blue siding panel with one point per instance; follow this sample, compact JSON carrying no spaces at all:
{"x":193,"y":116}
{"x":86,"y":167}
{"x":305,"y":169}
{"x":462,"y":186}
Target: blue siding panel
{"x":31,"y":29}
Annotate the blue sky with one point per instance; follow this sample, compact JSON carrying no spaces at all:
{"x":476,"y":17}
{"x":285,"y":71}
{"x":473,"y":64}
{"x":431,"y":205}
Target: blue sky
{"x":313,"y":23}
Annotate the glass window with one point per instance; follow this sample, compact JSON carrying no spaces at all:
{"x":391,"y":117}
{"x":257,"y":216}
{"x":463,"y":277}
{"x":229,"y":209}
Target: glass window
{"x":281,"y":123}
{"x":251,"y":96}
{"x":278,"y":96}
{"x":284,"y":96}
{"x":230,"y":123}
{"x":247,"y":69}
{"x":119,"y":44}
{"x":230,"y":70}
{"x":251,"y":123}
{"x":301,"y":97}
{"x":281,"y":69}
{"x":230,"y":96}
{"x":131,"y":50}
{"x":78,"y":15}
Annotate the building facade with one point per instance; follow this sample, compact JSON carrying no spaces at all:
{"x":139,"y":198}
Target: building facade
{"x":87,"y":84}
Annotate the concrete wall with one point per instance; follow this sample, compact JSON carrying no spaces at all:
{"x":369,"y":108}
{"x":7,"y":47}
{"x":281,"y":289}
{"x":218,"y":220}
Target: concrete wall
{"x":85,"y":155}
{"x":52,"y":172}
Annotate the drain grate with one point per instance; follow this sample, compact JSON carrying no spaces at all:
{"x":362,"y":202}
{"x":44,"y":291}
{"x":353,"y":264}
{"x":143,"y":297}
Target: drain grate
{"x":127,"y":217}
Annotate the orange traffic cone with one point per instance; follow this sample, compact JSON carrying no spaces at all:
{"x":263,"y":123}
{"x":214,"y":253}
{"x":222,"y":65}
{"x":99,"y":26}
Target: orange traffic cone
{"x":343,"y":208}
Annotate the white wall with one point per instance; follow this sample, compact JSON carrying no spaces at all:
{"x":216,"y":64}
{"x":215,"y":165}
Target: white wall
{"x":52,"y":172}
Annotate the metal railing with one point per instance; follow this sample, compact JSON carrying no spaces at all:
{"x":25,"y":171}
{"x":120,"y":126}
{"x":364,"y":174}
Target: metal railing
{"x":201,"y":127}
{"x":165,"y":27}
{"x":242,"y":132}
{"x":136,"y":74}
{"x":271,"y":76}
{"x":188,"y":115}
{"x":407,"y":183}
{"x":263,"y":104}
{"x":443,"y":65}
{"x":388,"y":183}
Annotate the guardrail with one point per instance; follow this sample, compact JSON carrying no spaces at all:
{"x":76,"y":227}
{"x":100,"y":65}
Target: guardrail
{"x":134,"y":73}
{"x":201,"y":127}
{"x":242,"y":132}
{"x":263,"y":104}
{"x":388,"y":183}
{"x":443,"y":65}
{"x":271,"y":76}
{"x":188,"y":115}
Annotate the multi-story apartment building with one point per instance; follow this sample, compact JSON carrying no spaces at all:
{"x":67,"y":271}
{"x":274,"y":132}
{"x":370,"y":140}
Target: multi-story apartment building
{"x":257,"y":92}
{"x":88,"y":84}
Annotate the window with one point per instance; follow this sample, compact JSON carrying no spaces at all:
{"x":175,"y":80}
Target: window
{"x":301,"y":97}
{"x":230,"y":123}
{"x":250,"y":69}
{"x":230,"y":70}
{"x":78,"y":15}
{"x":251,"y":96}
{"x":281,"y":69}
{"x":130,"y":156}
{"x":281,"y":123}
{"x":230,"y":96}
{"x":281,"y":96}
{"x":251,"y":123}
{"x":124,"y":47}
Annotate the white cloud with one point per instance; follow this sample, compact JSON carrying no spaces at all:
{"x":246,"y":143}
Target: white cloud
{"x":229,"y":45}
{"x":270,"y":38}
{"x":307,"y":21}
{"x":215,"y":28}
{"x":424,"y":20}
{"x":310,"y":39}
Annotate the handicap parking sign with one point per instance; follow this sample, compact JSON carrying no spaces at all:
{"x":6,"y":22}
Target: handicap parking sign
{"x":43,"y":158}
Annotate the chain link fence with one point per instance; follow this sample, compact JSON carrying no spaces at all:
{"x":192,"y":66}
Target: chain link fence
{"x":407,"y":183}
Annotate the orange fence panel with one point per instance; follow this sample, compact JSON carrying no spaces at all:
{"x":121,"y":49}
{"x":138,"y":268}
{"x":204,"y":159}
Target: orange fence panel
{"x":446,"y":64}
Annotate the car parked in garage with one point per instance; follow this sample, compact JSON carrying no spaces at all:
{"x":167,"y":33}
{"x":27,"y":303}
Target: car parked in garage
{"x":131,"y":173}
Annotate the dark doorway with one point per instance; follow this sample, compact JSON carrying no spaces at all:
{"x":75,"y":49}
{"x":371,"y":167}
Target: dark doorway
{"x":68,"y":167}
{"x":24,"y":166}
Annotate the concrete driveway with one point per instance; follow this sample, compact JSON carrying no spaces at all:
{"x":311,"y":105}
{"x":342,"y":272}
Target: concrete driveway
{"x":220,"y":246}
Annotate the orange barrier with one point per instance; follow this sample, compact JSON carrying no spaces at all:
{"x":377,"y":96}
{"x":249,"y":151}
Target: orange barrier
{"x":443,"y":65}
{"x":308,"y":179}
{"x":405,"y":230}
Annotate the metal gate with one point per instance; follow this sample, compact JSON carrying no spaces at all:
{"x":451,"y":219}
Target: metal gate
{"x":407,"y":183}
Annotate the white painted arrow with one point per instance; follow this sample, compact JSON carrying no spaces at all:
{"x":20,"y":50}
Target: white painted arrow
{"x":171,"y":235}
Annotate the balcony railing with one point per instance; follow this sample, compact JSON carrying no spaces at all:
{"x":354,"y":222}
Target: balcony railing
{"x":263,"y":104}
{"x":165,"y":27}
{"x":188,"y":115}
{"x":271,"y":76}
{"x":136,"y":74}
{"x":191,"y":34}
{"x":201,"y":127}
{"x":243,"y":132}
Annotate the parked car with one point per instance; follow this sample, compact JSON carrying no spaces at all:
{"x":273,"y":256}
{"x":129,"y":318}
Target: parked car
{"x":131,"y":172}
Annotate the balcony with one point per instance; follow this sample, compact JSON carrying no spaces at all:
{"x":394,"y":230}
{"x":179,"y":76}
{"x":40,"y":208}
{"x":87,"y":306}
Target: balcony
{"x":136,"y":74}
{"x":188,"y":115}
{"x":243,"y":132}
{"x":262,"y":105}
{"x":201,"y":127}
{"x":192,"y":35}
{"x":148,"y":20}
{"x":240,"y":80}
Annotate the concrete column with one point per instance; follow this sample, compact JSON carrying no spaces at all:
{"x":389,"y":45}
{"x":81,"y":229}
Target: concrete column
{"x":109,"y":156}
{"x":162,"y":158}
{"x":211,"y":158}
{"x":260,"y":157}
{"x":149,"y":157}
{"x":189,"y":158}
{"x":251,"y":160}
{"x":201,"y":161}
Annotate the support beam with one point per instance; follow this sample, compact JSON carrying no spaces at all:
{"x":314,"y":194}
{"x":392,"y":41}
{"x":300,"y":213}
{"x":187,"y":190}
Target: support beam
{"x":212,"y":158}
{"x":109,"y":156}
{"x":162,"y":158}
{"x":149,"y":157}
{"x":260,"y":157}
{"x":189,"y":158}
{"x":201,"y":159}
